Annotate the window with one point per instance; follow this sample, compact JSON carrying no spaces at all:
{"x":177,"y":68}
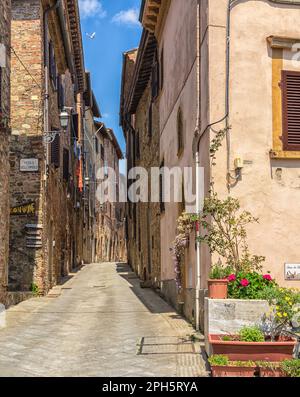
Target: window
{"x":150,"y":121}
{"x":161,"y":66}
{"x":75,"y":119}
{"x":66,"y":165}
{"x":0,"y":90}
{"x":161,"y":188}
{"x":155,"y":77}
{"x":102,"y":151}
{"x":55,"y":151}
{"x":290,"y":86}
{"x":137,"y":147}
{"x":96,"y":145}
{"x":180,"y":140}
{"x":52,"y":65}
{"x":60,"y":93}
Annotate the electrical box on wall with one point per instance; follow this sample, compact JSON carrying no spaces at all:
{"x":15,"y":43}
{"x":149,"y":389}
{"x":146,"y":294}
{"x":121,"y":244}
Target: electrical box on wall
{"x":238,"y":163}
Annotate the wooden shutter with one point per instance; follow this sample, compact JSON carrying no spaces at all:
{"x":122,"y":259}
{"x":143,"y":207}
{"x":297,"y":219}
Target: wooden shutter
{"x":66,"y":165}
{"x":52,"y":65}
{"x":150,"y":121}
{"x":75,"y":125}
{"x":60,"y":93}
{"x":55,"y":151}
{"x":155,"y":78}
{"x":291,"y":110}
{"x":0,"y":91}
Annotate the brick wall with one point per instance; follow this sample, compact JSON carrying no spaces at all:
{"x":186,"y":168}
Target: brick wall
{"x":5,"y":12}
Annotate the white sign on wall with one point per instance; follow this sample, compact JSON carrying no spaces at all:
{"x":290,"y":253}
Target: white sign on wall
{"x":292,"y":271}
{"x":29,"y":165}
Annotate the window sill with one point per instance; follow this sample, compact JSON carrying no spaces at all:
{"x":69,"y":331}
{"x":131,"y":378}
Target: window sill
{"x":284,"y":155}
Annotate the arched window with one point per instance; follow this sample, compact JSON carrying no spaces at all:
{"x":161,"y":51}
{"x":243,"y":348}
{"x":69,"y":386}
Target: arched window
{"x":180,"y":137}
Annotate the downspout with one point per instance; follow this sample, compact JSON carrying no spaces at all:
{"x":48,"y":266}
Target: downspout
{"x":198,"y":204}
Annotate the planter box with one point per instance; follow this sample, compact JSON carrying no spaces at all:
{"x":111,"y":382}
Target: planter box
{"x":254,"y":351}
{"x":233,"y":372}
{"x":218,"y":289}
{"x":271,"y":373}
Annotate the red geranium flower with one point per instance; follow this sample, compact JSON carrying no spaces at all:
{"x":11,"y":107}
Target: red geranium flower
{"x":267,"y":277}
{"x":232,"y":277}
{"x":245,"y":282}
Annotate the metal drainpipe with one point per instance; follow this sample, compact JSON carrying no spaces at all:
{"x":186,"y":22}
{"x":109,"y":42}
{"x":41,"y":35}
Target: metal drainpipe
{"x":198,"y":209}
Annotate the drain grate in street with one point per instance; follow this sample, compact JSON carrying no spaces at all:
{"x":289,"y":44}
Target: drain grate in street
{"x":165,"y":345}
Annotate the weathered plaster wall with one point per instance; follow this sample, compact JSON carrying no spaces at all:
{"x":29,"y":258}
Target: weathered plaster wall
{"x":270,"y":189}
{"x":178,"y":40}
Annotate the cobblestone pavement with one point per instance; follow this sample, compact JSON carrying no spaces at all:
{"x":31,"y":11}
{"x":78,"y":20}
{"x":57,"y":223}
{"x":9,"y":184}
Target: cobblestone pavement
{"x":99,"y":323}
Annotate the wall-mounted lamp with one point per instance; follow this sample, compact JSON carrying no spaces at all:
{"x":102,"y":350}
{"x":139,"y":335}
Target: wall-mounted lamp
{"x":64,"y":117}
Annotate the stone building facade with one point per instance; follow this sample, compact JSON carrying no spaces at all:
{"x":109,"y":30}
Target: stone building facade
{"x":140,"y":122}
{"x":46,"y":159}
{"x":174,"y":26}
{"x":5,"y":20}
{"x":111,"y":244}
{"x":205,"y":50}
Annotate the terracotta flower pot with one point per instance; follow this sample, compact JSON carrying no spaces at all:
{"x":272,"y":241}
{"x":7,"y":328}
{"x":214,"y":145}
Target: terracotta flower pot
{"x":217,"y":289}
{"x":271,"y":373}
{"x":232,"y":372}
{"x":254,"y":351}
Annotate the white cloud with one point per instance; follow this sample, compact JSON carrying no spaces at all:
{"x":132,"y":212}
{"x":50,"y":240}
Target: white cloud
{"x":91,"y":8}
{"x":127,"y":17}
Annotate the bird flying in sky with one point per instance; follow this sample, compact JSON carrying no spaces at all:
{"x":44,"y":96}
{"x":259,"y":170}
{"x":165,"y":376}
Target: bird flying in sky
{"x":91,"y":35}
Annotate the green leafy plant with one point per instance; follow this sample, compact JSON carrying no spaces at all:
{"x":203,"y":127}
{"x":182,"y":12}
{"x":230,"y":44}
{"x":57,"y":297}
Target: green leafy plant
{"x":218,"y":360}
{"x":34,"y":289}
{"x":242,"y":364}
{"x":268,"y":365}
{"x":284,"y":307}
{"x":251,"y":334}
{"x":291,"y":368}
{"x":224,"y":226}
{"x":185,"y":226}
{"x":249,"y":285}
{"x":218,"y":272}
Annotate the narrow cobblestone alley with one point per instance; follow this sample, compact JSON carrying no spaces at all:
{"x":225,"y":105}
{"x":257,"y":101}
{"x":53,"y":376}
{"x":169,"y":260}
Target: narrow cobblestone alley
{"x":99,"y":323}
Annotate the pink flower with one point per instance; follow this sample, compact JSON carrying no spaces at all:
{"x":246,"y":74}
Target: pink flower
{"x":245,"y":282}
{"x":232,"y":277}
{"x":267,"y":277}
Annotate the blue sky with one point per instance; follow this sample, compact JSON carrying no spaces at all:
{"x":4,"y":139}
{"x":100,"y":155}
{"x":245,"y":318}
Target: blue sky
{"x":117,"y":30}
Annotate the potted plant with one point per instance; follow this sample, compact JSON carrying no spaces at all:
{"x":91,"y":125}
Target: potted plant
{"x":251,"y":343}
{"x":291,"y":368}
{"x":269,"y":369}
{"x":218,"y":282}
{"x":221,"y":366}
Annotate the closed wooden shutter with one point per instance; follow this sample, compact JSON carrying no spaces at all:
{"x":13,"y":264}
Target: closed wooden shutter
{"x":0,"y":91}
{"x":60,"y":93}
{"x":150,"y":121}
{"x":52,"y":65}
{"x":291,"y":110}
{"x":66,"y":165}
{"x":75,"y":125}
{"x":55,"y":151}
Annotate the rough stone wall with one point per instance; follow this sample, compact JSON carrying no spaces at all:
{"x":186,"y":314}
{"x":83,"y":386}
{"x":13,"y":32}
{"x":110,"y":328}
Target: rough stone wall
{"x":26,"y":265}
{"x":148,"y":233}
{"x":5,"y":18}
{"x":55,"y":198}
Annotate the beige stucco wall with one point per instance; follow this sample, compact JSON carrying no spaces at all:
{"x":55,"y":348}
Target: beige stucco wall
{"x":269,"y":188}
{"x":178,"y":39}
